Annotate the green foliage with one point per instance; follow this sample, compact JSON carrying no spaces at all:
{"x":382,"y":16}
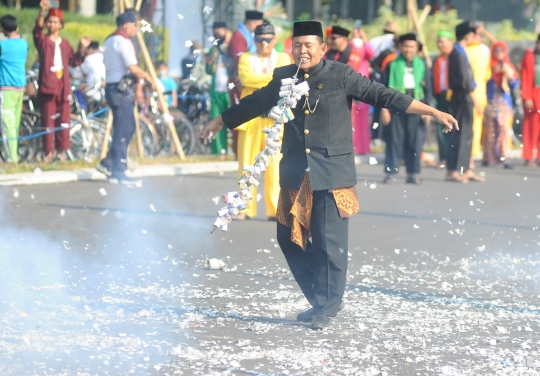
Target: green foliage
{"x":98,"y":27}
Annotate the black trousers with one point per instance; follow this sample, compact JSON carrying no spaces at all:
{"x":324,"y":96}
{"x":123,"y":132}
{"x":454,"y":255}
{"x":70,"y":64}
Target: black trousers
{"x":122,"y":105}
{"x":442,"y":138}
{"x":458,"y":157}
{"x":404,"y":138}
{"x":321,"y":270}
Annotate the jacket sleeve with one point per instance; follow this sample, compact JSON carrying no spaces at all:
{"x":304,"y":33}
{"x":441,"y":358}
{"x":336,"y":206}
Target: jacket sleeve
{"x":369,"y":52}
{"x":459,"y":79}
{"x":247,"y":77}
{"x":237,"y":47}
{"x":253,"y":105}
{"x":365,"y":90}
{"x":38,"y":35}
{"x":527,"y":78}
{"x":76,"y":59}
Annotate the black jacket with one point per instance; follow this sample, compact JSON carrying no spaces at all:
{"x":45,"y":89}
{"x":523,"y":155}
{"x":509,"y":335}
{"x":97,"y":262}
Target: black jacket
{"x":320,"y":142}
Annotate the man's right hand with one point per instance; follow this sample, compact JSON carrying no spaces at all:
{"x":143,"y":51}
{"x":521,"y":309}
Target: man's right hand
{"x":386,"y":118}
{"x":528,"y":104}
{"x":211,"y":129}
{"x":45,"y":5}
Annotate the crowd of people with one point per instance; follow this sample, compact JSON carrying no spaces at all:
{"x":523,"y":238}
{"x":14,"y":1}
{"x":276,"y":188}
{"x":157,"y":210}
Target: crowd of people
{"x":476,"y":83}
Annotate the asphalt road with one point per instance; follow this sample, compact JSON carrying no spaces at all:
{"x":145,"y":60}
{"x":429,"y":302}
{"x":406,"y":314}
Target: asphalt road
{"x":443,"y":279}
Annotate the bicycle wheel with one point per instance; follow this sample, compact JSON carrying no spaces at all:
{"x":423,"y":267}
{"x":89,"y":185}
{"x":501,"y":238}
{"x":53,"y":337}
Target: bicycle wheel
{"x":185,"y":131}
{"x":98,"y":127}
{"x":149,"y":136}
{"x":82,"y":141}
{"x":27,"y":146}
{"x":200,"y":122}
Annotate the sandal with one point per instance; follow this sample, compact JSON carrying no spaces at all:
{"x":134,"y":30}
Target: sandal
{"x":476,"y":178}
{"x":457,"y":179}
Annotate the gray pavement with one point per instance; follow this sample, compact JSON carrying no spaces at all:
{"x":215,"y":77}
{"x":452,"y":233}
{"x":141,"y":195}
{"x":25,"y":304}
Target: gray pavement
{"x":443,"y":279}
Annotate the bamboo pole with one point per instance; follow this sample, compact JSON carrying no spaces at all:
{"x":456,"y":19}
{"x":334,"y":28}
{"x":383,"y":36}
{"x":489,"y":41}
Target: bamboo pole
{"x":409,"y":16}
{"x":105,"y":143}
{"x":424,"y":15}
{"x":138,"y":5}
{"x":422,"y":39}
{"x":121,"y":6}
{"x":140,"y":147}
{"x":163,"y":104}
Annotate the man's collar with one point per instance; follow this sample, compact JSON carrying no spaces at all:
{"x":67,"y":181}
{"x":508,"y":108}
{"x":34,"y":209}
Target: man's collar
{"x":316,"y":68}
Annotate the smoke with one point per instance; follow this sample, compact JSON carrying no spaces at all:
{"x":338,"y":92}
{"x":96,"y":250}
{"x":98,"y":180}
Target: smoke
{"x":69,"y":283}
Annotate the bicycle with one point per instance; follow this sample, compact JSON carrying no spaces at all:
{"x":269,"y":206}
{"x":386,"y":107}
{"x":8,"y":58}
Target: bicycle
{"x":195,"y":100}
{"x":182,"y":124}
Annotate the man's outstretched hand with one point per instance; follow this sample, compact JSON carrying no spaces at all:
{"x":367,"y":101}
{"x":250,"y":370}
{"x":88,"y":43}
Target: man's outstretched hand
{"x":447,"y":120}
{"x":211,"y":129}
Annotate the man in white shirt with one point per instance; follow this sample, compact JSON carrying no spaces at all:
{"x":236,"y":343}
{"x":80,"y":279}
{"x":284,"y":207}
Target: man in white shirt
{"x":385,"y":41}
{"x":94,"y":70}
{"x":122,"y":71}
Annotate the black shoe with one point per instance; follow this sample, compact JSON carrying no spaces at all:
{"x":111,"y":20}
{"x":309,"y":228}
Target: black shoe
{"x":124,"y":180}
{"x":389,"y":179}
{"x":320,"y":322}
{"x":103,"y":169}
{"x":485,"y":164}
{"x":508,"y":166}
{"x":307,"y":315}
{"x":413,"y":180}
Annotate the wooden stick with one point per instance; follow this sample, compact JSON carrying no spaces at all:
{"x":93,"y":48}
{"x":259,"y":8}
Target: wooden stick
{"x":121,"y":6}
{"x":128,"y":4}
{"x":424,"y":15}
{"x":105,"y":143}
{"x":138,"y":5}
{"x":409,"y":16}
{"x":140,"y":147}
{"x":422,"y":39}
{"x":163,"y":104}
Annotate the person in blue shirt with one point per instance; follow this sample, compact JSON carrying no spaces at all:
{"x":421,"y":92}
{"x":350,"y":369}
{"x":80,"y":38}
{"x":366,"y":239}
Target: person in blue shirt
{"x":167,"y":84}
{"x":13,"y":52}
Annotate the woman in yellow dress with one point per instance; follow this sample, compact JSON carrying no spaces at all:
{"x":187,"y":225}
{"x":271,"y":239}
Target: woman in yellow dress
{"x":255,"y":71}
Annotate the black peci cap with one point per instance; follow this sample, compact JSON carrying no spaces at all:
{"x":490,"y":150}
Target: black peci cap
{"x":253,"y":15}
{"x":302,"y":28}
{"x":409,"y":36}
{"x":464,"y":28}
{"x":265,"y":28}
{"x":124,"y":18}
{"x":338,"y":30}
{"x":219,"y":24}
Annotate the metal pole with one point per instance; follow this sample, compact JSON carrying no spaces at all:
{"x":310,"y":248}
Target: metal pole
{"x":370,"y":11}
{"x":317,"y":4}
{"x":290,"y":10}
{"x":344,"y":9}
{"x":473,"y":10}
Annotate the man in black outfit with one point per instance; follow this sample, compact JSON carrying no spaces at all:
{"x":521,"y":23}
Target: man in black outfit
{"x":405,"y":133}
{"x":461,"y":82}
{"x":317,"y":171}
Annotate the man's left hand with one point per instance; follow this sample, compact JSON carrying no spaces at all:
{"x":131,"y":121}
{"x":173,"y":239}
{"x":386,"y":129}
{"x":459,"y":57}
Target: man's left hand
{"x":139,"y":96}
{"x":85,"y":41}
{"x":447,"y":120}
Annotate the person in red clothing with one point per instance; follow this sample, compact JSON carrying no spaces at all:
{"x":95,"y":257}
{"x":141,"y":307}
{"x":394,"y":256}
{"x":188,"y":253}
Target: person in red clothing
{"x":55,"y":56}
{"x":241,"y":41}
{"x":530,"y":93}
{"x":353,"y":54}
{"x":341,"y":50}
